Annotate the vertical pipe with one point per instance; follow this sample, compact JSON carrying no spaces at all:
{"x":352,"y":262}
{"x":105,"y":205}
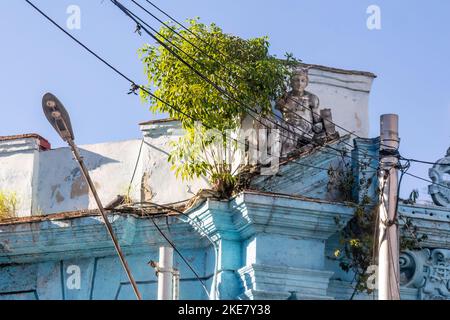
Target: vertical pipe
{"x":165,"y":273}
{"x":388,"y":249}
{"x":176,"y":284}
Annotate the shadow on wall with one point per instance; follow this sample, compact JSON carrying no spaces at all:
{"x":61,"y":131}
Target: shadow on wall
{"x":61,"y":185}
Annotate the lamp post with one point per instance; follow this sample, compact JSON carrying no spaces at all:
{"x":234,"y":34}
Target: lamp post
{"x":58,"y":117}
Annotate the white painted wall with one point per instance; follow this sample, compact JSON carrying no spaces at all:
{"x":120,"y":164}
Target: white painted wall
{"x":163,"y":183}
{"x":50,"y":181}
{"x":17,"y":161}
{"x":61,"y":186}
{"x":346,"y":94}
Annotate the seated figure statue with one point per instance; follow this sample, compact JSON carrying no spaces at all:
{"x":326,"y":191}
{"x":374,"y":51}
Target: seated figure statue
{"x":300,"y":109}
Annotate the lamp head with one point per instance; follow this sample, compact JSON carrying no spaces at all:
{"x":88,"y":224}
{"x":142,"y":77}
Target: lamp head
{"x":58,"y":116}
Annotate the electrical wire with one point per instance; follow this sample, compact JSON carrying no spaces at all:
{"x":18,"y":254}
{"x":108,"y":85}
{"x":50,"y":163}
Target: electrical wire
{"x":143,"y":88}
{"x":403,"y":171}
{"x":200,"y":227}
{"x":136,"y":19}
{"x":396,"y":270}
{"x":105,"y":62}
{"x":427,"y":180}
{"x":135,"y":167}
{"x":209,"y":45}
{"x":216,"y":254}
{"x":182,"y":37}
{"x":128,"y":79}
{"x":350,"y":133}
{"x":227,"y":56}
{"x":181,"y":256}
{"x":113,"y":68}
{"x":122,"y":74}
{"x":346,"y":130}
{"x":139,"y":20}
{"x":425,"y":162}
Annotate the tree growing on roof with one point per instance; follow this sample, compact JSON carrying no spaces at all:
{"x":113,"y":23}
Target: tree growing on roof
{"x":248,"y":76}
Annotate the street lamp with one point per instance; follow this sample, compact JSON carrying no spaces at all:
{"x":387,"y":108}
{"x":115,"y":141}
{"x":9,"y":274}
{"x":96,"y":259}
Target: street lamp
{"x":58,"y":117}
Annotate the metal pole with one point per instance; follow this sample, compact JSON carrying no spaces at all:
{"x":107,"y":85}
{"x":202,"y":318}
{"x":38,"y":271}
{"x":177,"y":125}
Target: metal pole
{"x":388,"y":242}
{"x":165,"y":273}
{"x":105,"y":218}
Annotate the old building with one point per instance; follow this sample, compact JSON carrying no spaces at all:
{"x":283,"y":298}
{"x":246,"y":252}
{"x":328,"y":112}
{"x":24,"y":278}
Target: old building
{"x":274,"y":240}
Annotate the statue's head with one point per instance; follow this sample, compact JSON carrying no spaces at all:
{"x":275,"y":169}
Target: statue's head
{"x":299,"y":80}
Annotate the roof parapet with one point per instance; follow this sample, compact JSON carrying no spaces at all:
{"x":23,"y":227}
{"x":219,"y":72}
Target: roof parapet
{"x":23,"y":143}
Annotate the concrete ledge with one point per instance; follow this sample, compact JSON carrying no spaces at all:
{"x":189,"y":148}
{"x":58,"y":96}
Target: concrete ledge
{"x":307,"y":283}
{"x":87,"y":237}
{"x":253,"y":212}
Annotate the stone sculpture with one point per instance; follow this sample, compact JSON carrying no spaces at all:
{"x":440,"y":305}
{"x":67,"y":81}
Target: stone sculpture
{"x":428,"y":271}
{"x":440,"y":175}
{"x":303,"y":120}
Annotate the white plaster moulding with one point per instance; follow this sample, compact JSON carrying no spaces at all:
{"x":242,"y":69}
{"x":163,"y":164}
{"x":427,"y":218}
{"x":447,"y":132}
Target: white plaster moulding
{"x":432,"y":221}
{"x":250,"y":213}
{"x":309,"y":283}
{"x":18,"y":146}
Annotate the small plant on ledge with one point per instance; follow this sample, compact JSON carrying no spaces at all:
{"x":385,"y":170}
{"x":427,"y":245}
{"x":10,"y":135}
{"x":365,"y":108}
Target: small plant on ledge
{"x":8,"y":205}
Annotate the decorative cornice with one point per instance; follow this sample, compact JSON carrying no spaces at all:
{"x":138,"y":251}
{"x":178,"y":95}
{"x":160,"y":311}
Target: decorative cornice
{"x":439,"y":189}
{"x":87,"y":237}
{"x":10,"y":146}
{"x":164,"y":127}
{"x":337,"y":70}
{"x":42,"y":142}
{"x":428,"y":271}
{"x":251,"y":212}
{"x":288,"y":216}
{"x":309,"y":284}
{"x":343,"y":290}
{"x":434,"y":222}
{"x":367,"y":143}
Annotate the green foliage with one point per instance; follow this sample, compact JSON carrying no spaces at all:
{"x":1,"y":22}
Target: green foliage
{"x":357,"y":237}
{"x":413,"y":196}
{"x":8,"y":204}
{"x":207,"y":153}
{"x":412,"y":240}
{"x":342,"y":180}
{"x":244,"y":68}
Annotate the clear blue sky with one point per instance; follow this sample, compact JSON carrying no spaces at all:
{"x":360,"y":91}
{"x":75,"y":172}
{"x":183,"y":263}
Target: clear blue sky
{"x":410,"y":55}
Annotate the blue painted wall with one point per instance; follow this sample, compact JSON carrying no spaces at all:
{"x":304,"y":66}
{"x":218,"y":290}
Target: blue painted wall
{"x":269,"y":244}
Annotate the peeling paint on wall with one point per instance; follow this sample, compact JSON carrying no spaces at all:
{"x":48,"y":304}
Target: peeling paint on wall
{"x":79,"y":188}
{"x":146,"y":191}
{"x":358,"y":121}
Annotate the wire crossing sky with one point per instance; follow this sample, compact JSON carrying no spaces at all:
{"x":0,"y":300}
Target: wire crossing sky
{"x":409,"y":55}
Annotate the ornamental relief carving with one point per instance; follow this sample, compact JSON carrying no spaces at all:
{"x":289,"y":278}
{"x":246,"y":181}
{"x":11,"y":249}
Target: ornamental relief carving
{"x":427,"y":270}
{"x":440,"y":175}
